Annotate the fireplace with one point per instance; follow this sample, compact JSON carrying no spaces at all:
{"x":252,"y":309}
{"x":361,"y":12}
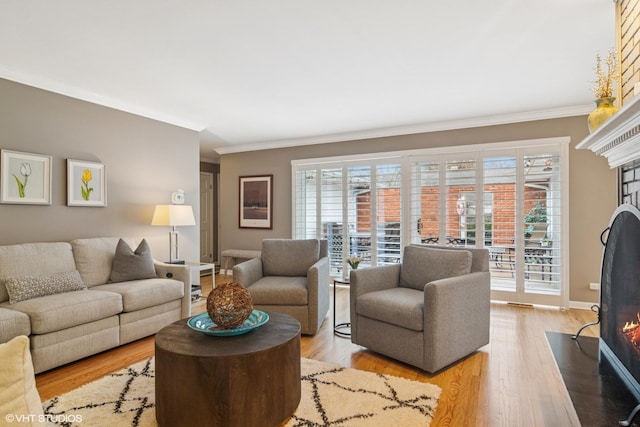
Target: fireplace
{"x":620,"y":297}
{"x":618,"y":139}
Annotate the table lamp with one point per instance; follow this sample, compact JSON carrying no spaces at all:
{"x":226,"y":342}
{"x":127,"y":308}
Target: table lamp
{"x":173,"y":216}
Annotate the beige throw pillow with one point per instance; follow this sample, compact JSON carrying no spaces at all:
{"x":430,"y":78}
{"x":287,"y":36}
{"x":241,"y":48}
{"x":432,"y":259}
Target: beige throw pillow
{"x":132,"y":265}
{"x":19,"y":398}
{"x":24,"y":288}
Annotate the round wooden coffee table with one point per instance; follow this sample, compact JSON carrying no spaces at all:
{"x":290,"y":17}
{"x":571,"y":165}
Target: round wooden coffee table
{"x":243,"y":380}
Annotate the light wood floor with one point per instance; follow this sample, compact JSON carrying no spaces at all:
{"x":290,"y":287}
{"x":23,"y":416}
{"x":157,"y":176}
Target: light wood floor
{"x":512,"y":381}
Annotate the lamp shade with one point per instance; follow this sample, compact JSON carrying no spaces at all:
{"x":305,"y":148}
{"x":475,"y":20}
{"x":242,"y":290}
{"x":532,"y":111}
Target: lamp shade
{"x":173,"y":215}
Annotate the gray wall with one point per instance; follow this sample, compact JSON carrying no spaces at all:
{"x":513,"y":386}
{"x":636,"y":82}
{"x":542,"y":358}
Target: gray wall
{"x":145,"y":162}
{"x":592,"y":186}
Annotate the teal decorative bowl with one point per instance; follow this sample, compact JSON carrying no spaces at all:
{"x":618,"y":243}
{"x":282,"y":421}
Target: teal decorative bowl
{"x":203,"y":323}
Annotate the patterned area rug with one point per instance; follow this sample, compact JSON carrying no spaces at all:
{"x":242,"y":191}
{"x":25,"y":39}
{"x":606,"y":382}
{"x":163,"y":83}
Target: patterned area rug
{"x":331,"y":396}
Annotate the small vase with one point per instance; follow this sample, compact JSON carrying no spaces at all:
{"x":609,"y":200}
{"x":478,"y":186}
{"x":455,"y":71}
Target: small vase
{"x":604,"y":110}
{"x":348,"y":272}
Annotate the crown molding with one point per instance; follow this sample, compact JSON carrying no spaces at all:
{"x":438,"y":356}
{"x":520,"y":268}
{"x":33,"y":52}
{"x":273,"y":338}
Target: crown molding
{"x":99,"y":99}
{"x":554,"y":113}
{"x":95,"y":98}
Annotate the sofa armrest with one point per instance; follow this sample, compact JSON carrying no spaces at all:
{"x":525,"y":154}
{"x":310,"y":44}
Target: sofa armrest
{"x":318,"y":277}
{"x":364,"y":280}
{"x":177,"y":272}
{"x":456,"y":318}
{"x":248,"y":272}
{"x":318,"y":292}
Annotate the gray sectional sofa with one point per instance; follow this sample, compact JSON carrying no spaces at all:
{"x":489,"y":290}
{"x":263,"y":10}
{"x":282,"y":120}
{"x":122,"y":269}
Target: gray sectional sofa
{"x":69,"y":324}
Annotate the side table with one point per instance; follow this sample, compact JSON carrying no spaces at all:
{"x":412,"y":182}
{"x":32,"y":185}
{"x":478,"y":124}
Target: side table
{"x":196,"y":269}
{"x":339,"y":328}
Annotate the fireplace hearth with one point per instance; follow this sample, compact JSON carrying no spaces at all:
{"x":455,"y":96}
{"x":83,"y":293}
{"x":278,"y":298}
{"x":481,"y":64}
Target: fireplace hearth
{"x":599,"y":396}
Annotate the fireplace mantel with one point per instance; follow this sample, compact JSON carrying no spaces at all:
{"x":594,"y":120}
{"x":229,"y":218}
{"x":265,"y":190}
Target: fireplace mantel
{"x":618,"y":139}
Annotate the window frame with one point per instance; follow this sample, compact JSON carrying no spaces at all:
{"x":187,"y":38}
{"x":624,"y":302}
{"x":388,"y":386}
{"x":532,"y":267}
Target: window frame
{"x":480,"y":151}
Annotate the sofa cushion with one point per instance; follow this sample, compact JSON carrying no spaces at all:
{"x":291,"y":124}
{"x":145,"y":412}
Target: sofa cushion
{"x":18,"y":393}
{"x":34,"y":259}
{"x":398,"y":306}
{"x":132,"y":265}
{"x":67,"y":345}
{"x":12,"y":324}
{"x":139,"y":294}
{"x":287,"y":257}
{"x":27,"y":287}
{"x":422,"y":265}
{"x":279,"y":290}
{"x":60,"y":311}
{"x":94,"y":258}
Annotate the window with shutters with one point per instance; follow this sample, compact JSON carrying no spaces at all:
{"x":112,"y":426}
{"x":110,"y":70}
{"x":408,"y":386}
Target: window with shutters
{"x":502,"y":197}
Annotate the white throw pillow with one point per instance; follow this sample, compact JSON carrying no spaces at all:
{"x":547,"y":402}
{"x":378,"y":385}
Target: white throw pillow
{"x":19,"y":398}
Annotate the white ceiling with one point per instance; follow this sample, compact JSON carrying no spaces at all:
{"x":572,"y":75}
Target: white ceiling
{"x":261,"y":74}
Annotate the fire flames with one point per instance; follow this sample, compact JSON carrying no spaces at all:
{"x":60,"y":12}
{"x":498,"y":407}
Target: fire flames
{"x":632,"y":331}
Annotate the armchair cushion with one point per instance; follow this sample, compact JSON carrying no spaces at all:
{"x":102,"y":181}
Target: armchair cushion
{"x":281,"y":290}
{"x":398,"y":306}
{"x":285,"y":257}
{"x":422,"y":265}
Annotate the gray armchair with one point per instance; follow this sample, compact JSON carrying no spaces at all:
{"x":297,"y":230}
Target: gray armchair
{"x":291,"y":277}
{"x":429,"y":311}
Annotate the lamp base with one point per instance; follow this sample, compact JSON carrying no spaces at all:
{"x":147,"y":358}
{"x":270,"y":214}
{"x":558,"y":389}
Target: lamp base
{"x":175,"y":261}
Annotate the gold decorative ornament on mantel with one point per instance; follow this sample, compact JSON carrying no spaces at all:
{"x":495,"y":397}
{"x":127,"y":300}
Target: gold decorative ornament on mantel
{"x":603,"y":92}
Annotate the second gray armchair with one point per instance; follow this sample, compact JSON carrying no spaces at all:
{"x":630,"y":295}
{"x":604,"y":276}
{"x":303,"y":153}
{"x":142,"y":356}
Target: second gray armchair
{"x":429,"y":311}
{"x":291,"y":277}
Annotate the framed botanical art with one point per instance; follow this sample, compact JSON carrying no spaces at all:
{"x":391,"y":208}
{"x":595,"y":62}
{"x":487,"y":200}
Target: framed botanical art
{"x":25,"y":178}
{"x":256,"y":201}
{"x":86,"y":183}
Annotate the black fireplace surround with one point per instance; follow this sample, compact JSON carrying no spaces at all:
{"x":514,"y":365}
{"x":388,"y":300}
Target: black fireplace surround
{"x":620,"y":297}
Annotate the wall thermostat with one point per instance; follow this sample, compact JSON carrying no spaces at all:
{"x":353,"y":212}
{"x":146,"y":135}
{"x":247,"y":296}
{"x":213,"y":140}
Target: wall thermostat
{"x":177,"y":198}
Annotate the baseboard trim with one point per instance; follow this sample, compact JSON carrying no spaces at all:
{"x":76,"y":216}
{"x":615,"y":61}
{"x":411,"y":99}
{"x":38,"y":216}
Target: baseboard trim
{"x":582,"y":305}
{"x":575,"y":305}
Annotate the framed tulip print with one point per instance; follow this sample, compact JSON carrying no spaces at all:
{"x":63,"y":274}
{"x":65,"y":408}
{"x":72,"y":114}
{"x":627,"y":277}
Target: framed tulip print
{"x":25,"y":178}
{"x":256,"y":201}
{"x":86,"y":183}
